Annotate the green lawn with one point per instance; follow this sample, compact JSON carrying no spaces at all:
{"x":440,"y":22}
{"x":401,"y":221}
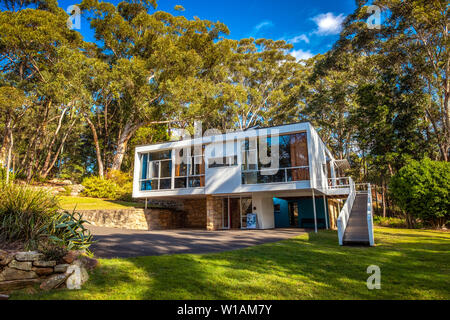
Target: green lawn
{"x":415,"y":264}
{"x":80,"y":203}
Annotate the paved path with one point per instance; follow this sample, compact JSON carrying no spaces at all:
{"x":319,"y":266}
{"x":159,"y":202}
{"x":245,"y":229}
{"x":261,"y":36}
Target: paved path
{"x":118,"y":243}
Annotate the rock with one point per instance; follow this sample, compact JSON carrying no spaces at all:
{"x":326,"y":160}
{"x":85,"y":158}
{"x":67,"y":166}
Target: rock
{"x":89,"y":263}
{"x":15,"y":274}
{"x":26,"y":266}
{"x":70,"y":256}
{"x":78,"y":277}
{"x":29,"y":256}
{"x":5,"y":258}
{"x":67,"y":182}
{"x":7,"y":286}
{"x":45,"y":264}
{"x":4,"y":297}
{"x":61,"y":268}
{"x":54,"y":281}
{"x":43,"y":271}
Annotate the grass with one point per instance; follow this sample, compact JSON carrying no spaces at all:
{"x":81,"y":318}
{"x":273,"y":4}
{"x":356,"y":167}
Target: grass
{"x":414,"y":265}
{"x":82,"y":203}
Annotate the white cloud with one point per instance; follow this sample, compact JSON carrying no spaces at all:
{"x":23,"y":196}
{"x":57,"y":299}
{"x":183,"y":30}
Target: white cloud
{"x":264,"y":24}
{"x":298,"y":39}
{"x":301,"y":55}
{"x":328,"y":23}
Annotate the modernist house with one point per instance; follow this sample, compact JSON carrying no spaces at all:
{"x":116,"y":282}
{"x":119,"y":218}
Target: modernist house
{"x":261,"y":178}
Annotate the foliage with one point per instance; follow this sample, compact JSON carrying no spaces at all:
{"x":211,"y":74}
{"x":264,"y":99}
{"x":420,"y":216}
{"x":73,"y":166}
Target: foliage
{"x":422,"y":190}
{"x":52,"y":251}
{"x":68,"y":231}
{"x":25,"y":213}
{"x":390,"y":222}
{"x":116,"y":186}
{"x":31,"y":216}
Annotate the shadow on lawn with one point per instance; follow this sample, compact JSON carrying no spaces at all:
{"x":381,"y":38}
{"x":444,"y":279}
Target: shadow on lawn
{"x":312,"y":267}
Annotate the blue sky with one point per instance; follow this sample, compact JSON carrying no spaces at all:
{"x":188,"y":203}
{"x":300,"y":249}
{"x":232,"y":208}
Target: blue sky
{"x":311,"y":26}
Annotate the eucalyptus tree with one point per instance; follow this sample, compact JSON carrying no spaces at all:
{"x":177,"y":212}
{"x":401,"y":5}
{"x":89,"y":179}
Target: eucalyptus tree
{"x":33,"y":47}
{"x":261,"y":81}
{"x":149,"y":58}
{"x":412,"y":42}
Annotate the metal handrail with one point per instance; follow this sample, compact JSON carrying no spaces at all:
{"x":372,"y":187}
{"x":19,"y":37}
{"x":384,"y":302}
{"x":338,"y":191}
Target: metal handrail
{"x":370,"y":215}
{"x":345,"y":212}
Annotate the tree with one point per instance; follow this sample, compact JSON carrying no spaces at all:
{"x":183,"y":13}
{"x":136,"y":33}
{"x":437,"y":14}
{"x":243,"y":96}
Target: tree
{"x":422,"y":190}
{"x":413,"y":41}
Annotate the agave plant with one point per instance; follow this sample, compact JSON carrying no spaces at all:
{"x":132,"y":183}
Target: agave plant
{"x":69,"y":231}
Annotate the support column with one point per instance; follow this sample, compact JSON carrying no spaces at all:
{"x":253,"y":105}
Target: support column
{"x":213,"y":213}
{"x":325,"y":207}
{"x":315,"y":213}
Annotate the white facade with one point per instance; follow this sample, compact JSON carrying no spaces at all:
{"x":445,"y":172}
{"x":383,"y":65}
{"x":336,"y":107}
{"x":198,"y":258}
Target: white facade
{"x":237,"y":179}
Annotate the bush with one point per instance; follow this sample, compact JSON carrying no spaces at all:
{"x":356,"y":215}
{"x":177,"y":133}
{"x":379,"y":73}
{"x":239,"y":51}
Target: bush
{"x":389,"y":222}
{"x":116,"y":186}
{"x":68,"y":231}
{"x":31,"y":216}
{"x":422,"y":190}
{"x":25,"y":213}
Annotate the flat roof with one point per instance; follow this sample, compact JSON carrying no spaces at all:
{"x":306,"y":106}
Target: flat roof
{"x":239,"y":135}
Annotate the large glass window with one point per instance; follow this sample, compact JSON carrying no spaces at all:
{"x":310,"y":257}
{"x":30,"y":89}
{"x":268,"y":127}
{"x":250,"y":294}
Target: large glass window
{"x":192,"y":173}
{"x":293,"y":161}
{"x":156,"y":172}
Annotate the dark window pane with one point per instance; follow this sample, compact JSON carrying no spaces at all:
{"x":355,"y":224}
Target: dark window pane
{"x":144,"y":159}
{"x":163,"y":155}
{"x":165,"y":184}
{"x":181,"y":170}
{"x":250,"y":178}
{"x":194,"y":182}
{"x":153,"y":170}
{"x":180,"y":183}
{"x":166,"y":169}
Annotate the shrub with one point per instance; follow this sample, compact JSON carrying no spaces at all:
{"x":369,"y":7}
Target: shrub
{"x":422,"y":190}
{"x":31,"y":216}
{"x":69,"y":232}
{"x":390,"y":222}
{"x":115,"y":186}
{"x":25,"y":213}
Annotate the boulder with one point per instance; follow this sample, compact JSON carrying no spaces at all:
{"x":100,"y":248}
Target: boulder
{"x":61,"y":268}
{"x":54,"y":281}
{"x":43,"y":271}
{"x":25,"y":265}
{"x":7,"y":286}
{"x":71,"y":256}
{"x":78,"y":277}
{"x":29,"y":256}
{"x":5,"y":258}
{"x":44,"y":264}
{"x":15,"y":274}
{"x":89,"y":263}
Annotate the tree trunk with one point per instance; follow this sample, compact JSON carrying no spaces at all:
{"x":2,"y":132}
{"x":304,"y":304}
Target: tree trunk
{"x":121,"y":148}
{"x":8,"y":163}
{"x":55,"y":158}
{"x":101,"y":172}
{"x":49,"y":153}
{"x":383,"y":196}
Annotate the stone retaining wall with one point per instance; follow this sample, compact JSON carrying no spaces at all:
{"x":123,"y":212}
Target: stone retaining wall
{"x":193,"y":216}
{"x":20,"y":270}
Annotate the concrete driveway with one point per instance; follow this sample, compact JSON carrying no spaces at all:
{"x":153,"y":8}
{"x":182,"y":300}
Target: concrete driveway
{"x":118,"y":243}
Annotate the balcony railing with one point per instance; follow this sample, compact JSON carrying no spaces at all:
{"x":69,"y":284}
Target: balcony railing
{"x":281,"y":175}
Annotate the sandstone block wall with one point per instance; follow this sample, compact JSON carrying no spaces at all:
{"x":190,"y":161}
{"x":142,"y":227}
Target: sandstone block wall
{"x":213,"y":213}
{"x":193,"y":215}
